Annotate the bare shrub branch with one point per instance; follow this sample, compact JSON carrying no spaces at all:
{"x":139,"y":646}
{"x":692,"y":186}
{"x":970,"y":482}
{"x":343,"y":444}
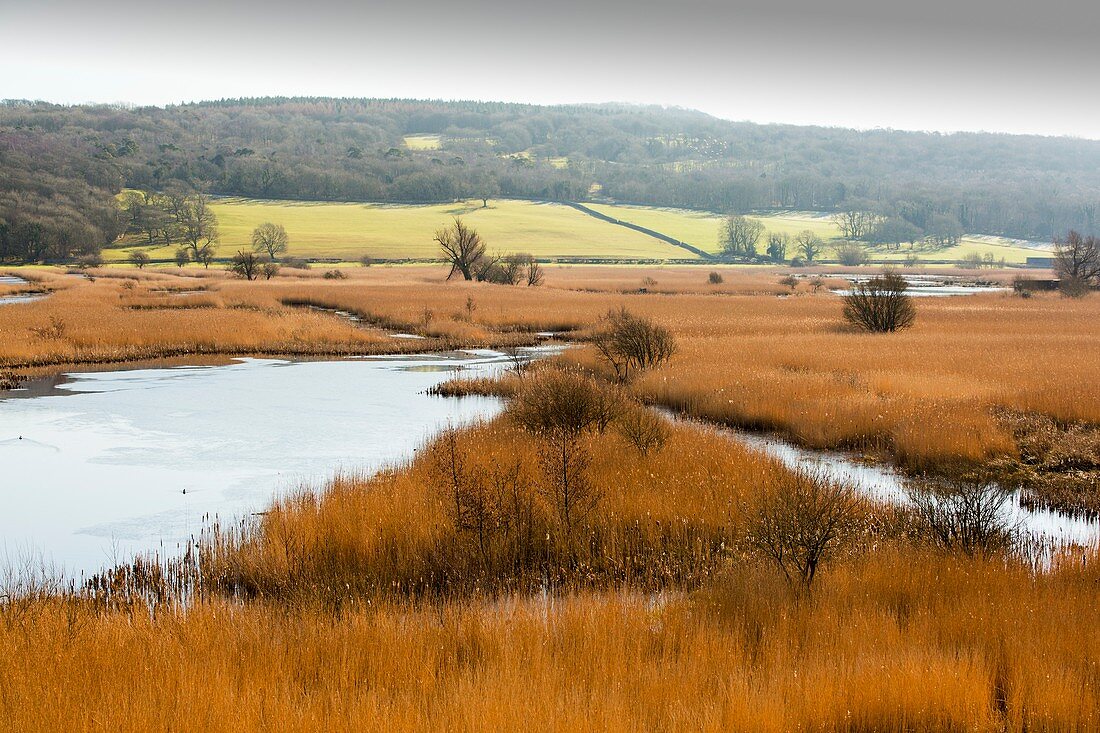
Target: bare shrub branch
{"x":630,"y":343}
{"x":801,"y":522}
{"x":880,"y":305}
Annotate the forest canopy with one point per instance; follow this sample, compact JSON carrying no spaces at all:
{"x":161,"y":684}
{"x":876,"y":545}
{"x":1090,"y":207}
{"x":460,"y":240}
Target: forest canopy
{"x":61,"y":166}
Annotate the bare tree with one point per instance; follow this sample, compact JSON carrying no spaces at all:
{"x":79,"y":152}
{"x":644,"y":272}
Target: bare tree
{"x":471,"y":505}
{"x":880,"y":305}
{"x":966,"y":514}
{"x":199,"y":227}
{"x":777,"y":245}
{"x":248,"y":265}
{"x":462,"y":247}
{"x":139,"y":259}
{"x":801,"y":522}
{"x":151,"y":216}
{"x":630,"y":343}
{"x":944,"y":230}
{"x":489,"y":501}
{"x":855,"y":224}
{"x":270,"y":239}
{"x":205,"y":254}
{"x":561,"y":408}
{"x":1077,"y":262}
{"x":512,"y":268}
{"x":270,"y":270}
{"x":535,"y":275}
{"x":808,"y":244}
{"x":740,"y":236}
{"x":183,"y":256}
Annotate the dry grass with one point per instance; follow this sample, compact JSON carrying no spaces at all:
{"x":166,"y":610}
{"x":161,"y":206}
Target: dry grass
{"x":123,"y":315}
{"x":904,"y":643}
{"x":671,"y":516}
{"x":368,"y":606}
{"x":329,"y":636}
{"x":747,"y":357}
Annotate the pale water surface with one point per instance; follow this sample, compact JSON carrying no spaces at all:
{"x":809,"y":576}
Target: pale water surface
{"x":108,"y":464}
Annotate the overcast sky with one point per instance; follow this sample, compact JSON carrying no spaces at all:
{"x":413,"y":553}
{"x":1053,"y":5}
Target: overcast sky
{"x":996,"y":65}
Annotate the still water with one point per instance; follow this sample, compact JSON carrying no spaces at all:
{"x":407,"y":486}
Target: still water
{"x":106,"y":464}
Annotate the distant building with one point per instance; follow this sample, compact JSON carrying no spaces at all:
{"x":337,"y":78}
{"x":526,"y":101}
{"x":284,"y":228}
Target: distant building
{"x":1042,"y":263}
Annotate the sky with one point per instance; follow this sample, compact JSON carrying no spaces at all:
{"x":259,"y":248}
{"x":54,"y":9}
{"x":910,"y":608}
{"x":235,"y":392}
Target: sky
{"x":946,"y":65}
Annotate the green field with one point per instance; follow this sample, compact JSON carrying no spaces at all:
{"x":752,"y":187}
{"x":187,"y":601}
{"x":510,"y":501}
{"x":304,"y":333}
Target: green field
{"x":423,"y":142}
{"x":1010,"y":250}
{"x":702,"y":230}
{"x":349,"y":231}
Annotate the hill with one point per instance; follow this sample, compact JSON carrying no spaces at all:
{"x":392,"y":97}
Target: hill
{"x":61,"y":165}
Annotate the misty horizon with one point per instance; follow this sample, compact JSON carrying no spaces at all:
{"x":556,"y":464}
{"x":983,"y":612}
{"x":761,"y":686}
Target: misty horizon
{"x":979,"y":67}
{"x":126,"y":104}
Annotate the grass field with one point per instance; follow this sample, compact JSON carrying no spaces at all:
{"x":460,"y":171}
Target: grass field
{"x":349,"y":231}
{"x":423,"y":142}
{"x":702,"y":229}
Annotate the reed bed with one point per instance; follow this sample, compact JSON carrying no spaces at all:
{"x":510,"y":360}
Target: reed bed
{"x":926,"y":397}
{"x":371,"y":604}
{"x":366,"y":605}
{"x":945,"y":647}
{"x":668,"y":518}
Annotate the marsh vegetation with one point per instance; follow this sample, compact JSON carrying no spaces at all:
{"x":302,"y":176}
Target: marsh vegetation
{"x":580,"y":557}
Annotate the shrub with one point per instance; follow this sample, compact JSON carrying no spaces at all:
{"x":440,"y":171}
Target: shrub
{"x":966,"y":514}
{"x":1073,"y":287}
{"x":880,"y":305}
{"x":801,"y":522}
{"x":971,"y":261}
{"x":630,"y":343}
{"x":246,"y":264}
{"x":644,"y":429}
{"x":560,"y":408}
{"x":335,"y":275}
{"x":89,"y":261}
{"x":798,"y":261}
{"x":851,"y":255}
{"x":789,"y":281}
{"x":53,"y":331}
{"x":715,"y":278}
{"x":510,"y":269}
{"x":563,"y":403}
{"x":497,"y":270}
{"x":295,"y":263}
{"x":366,"y":261}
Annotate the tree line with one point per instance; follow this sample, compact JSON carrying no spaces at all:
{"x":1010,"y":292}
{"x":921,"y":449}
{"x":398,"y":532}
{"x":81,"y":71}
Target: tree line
{"x":60,"y":166}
